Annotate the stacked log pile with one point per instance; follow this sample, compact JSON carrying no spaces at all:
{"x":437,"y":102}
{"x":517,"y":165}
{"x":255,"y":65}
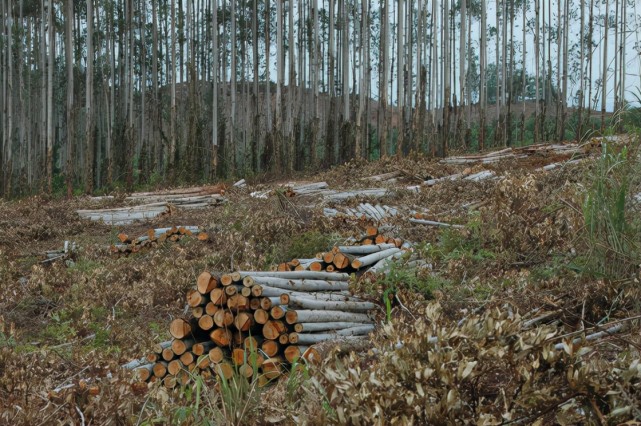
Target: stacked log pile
{"x":156,"y":236}
{"x":126,"y":215}
{"x":155,"y":204}
{"x":258,"y":323}
{"x":187,"y":198}
{"x":517,"y":153}
{"x":364,"y":211}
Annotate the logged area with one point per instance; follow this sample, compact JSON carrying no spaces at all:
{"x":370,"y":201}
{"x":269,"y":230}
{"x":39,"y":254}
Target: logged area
{"x":496,"y":288}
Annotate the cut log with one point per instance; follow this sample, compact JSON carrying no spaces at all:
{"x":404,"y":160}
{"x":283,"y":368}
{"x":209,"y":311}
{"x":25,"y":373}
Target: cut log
{"x":302,"y":284}
{"x":158,"y":348}
{"x":277,"y":312}
{"x":205,"y":322}
{"x":211,"y":309}
{"x":218,"y":296}
{"x":224,"y":370}
{"x":243,"y":321}
{"x":370,"y":259}
{"x":311,"y":339}
{"x":299,"y":275}
{"x":160,"y":369}
{"x":223,"y":318}
{"x":206,"y":283}
{"x":434,"y":223}
{"x":343,"y":260}
{"x":221,"y":337}
{"x":238,"y":356}
{"x":293,"y":317}
{"x":359,"y":250}
{"x":310,"y":327}
{"x":246,"y":370}
{"x":273,"y":328}
{"x":270,"y":347}
{"x":272,"y":367}
{"x":238,"y":302}
{"x":187,"y":358}
{"x":261,"y":316}
{"x":329,"y":305}
{"x":202,"y":348}
{"x":168,"y":354}
{"x":292,"y":353}
{"x":180,"y":346}
{"x":180,"y":328}
{"x":216,"y":355}
{"x":195,"y":298}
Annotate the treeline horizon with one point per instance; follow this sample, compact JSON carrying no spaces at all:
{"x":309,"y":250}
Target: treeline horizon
{"x":97,"y":94}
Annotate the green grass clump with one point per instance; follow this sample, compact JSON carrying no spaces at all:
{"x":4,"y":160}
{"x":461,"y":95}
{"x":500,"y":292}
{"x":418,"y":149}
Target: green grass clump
{"x":611,"y":235}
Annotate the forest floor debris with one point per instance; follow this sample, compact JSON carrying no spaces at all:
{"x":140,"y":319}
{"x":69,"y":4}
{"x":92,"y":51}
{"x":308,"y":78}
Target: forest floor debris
{"x":509,"y":294}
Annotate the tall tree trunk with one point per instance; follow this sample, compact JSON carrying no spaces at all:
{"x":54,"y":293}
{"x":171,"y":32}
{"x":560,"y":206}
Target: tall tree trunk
{"x":604,"y":75}
{"x":384,"y":77}
{"x":279,"y":89}
{"x":214,"y":103}
{"x":50,"y":65}
{"x":69,"y":174}
{"x":482,"y":69}
{"x":172,"y":137}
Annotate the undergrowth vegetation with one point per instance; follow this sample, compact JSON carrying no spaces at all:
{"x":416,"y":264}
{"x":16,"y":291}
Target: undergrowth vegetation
{"x":488,"y":327}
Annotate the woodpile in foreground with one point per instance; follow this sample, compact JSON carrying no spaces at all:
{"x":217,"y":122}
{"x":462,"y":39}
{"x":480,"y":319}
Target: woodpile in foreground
{"x":156,"y":236}
{"x":258,"y":323}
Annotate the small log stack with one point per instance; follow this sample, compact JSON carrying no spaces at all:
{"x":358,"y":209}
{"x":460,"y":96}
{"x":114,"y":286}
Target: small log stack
{"x":154,"y":237}
{"x":258,"y":323}
{"x":346,"y":258}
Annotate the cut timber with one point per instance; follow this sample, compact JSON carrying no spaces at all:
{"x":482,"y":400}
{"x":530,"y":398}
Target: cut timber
{"x":270,"y":347}
{"x":144,"y":372}
{"x":180,"y":346}
{"x":179,"y":328}
{"x":187,"y":358}
{"x":195,"y":298}
{"x":302,"y":284}
{"x":310,"y":339}
{"x":167,"y":354}
{"x":310,"y":327}
{"x":299,"y":275}
{"x":292,"y":353}
{"x":364,"y":249}
{"x":370,"y":259}
{"x":125,"y":215}
{"x":293,"y":317}
{"x":223,"y":318}
{"x":202,"y":348}
{"x":160,"y":369}
{"x":273,"y":328}
{"x":342,"y":260}
{"x":329,"y":305}
{"x":211,"y":309}
{"x":221,"y":337}
{"x":272,"y":367}
{"x":206,"y":283}
{"x":205,"y":322}
{"x":218,"y":297}
{"x":216,"y":355}
{"x":243,"y":321}
{"x":224,"y":370}
{"x":261,"y":316}
{"x":433,"y":223}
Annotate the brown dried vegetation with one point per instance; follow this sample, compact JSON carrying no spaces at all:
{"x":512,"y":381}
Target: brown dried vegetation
{"x":482,"y":352}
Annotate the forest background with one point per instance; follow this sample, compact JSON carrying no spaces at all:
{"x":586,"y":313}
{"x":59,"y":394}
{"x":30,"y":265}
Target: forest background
{"x":101,"y":94}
